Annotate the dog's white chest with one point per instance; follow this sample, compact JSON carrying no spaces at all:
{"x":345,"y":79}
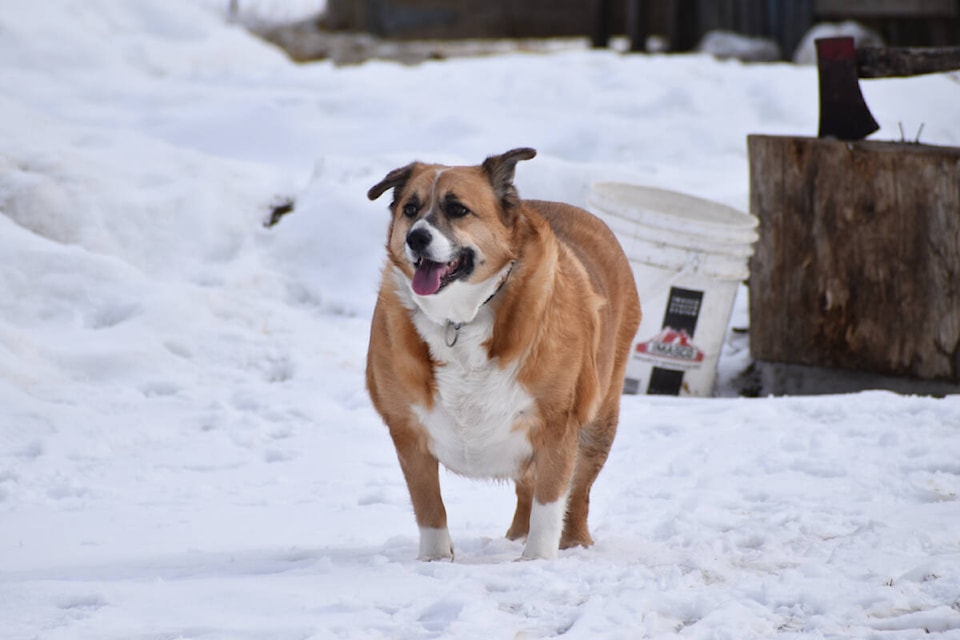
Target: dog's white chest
{"x":480,"y":420}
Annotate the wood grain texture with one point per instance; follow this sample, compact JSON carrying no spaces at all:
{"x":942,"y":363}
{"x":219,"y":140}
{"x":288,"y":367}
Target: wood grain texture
{"x":858,"y":261}
{"x":892,"y":62}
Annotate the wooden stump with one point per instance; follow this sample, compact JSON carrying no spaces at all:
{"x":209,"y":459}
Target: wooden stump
{"x":858,"y":261}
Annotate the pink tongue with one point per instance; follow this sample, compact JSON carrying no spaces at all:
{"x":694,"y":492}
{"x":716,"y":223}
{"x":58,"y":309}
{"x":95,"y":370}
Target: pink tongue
{"x":426,"y":280}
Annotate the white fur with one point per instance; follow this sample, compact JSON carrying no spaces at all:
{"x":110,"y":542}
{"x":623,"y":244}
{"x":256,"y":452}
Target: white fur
{"x":546,"y":526}
{"x":477,"y":425}
{"x":435,"y":544}
{"x":440,"y":248}
{"x":459,"y":302}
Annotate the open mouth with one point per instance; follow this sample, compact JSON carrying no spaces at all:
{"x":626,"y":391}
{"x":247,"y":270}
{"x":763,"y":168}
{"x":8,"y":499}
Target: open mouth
{"x":430,"y":277}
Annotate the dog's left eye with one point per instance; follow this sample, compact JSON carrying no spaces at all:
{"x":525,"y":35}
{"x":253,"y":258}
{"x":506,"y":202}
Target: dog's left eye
{"x":456,"y":210}
{"x":410,"y":209}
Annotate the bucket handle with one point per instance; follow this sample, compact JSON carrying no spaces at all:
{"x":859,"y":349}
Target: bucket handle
{"x":691,"y":265}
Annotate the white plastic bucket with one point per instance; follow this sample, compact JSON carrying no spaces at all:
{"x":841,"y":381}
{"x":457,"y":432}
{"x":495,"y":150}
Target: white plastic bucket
{"x":688,"y":257}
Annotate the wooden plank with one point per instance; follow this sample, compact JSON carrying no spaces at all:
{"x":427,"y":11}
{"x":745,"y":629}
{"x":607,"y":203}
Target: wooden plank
{"x":890,"y":62}
{"x":886,"y":8}
{"x":857,"y":263}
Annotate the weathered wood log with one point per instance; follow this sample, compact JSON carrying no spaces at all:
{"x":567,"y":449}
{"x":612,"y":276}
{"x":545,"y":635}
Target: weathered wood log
{"x":893,"y":62}
{"x":885,"y":8}
{"x":858,"y":261}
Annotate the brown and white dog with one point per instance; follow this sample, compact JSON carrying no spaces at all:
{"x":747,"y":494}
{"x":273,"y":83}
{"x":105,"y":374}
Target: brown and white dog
{"x":498,"y":346}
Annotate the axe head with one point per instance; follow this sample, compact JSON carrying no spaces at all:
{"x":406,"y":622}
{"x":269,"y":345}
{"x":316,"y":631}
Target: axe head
{"x":843,"y":112}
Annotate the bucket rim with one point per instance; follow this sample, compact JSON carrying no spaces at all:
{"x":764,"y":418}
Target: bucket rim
{"x":718,"y":270}
{"x":669,"y":209}
{"x":690,"y":240}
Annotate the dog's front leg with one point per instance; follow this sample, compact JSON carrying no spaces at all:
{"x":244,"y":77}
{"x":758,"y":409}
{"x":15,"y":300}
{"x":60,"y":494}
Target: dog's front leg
{"x":421,"y":471}
{"x":554,"y":469}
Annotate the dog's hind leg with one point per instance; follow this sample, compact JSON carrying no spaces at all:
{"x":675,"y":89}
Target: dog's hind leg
{"x":594,"y":447}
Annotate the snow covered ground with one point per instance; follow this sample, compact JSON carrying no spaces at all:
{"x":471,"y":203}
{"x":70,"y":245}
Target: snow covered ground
{"x":186,"y":448}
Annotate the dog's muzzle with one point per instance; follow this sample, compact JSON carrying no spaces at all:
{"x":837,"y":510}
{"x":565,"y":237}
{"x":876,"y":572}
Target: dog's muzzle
{"x":430,"y":276}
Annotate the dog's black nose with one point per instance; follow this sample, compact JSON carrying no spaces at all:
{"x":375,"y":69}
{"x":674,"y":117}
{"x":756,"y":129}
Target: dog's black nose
{"x":418,"y":240}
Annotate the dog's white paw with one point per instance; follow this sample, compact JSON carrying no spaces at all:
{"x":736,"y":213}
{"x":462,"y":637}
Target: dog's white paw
{"x":435,"y":544}
{"x":533,"y":551}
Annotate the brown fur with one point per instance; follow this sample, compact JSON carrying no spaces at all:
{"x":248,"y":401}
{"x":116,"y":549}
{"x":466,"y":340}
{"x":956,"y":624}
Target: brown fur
{"x":566,"y":316}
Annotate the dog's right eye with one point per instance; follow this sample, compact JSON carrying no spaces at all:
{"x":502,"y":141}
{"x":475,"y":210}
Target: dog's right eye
{"x":410,"y":209}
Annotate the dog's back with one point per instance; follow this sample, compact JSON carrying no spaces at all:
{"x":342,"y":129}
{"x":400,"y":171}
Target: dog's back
{"x":592,"y":242}
{"x":598,"y":250}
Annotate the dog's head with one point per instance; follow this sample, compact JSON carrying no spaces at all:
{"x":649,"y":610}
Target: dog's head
{"x":453,"y":228}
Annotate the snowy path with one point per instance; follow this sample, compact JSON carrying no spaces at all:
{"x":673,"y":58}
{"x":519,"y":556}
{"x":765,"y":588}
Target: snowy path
{"x":728,"y":518}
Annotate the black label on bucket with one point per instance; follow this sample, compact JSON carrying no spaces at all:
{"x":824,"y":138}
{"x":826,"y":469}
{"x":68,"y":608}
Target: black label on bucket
{"x":683,"y":310}
{"x":665,"y":382}
{"x":674,"y":342}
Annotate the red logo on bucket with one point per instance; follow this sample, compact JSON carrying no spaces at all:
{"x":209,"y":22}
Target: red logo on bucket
{"x":672,"y":345}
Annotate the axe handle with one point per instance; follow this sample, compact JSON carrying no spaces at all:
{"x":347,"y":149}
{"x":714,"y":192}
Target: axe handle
{"x":891,"y":62}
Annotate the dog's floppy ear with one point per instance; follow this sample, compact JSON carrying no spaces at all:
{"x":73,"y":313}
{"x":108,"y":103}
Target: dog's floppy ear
{"x":396,"y":178}
{"x":500,"y":170}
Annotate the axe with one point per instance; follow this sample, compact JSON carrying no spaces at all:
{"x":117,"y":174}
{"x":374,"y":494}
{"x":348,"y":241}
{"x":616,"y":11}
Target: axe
{"x":844,"y":113}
